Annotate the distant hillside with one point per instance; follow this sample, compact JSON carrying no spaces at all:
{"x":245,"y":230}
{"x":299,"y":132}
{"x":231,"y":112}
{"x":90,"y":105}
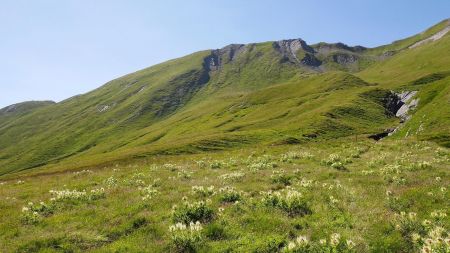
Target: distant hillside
{"x":273,"y":92}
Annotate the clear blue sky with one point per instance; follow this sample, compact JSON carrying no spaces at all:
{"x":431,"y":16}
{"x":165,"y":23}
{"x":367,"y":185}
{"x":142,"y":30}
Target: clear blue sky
{"x":54,"y":49}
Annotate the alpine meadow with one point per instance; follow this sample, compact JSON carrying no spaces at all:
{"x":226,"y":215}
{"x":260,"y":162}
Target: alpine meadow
{"x":279,"y":146}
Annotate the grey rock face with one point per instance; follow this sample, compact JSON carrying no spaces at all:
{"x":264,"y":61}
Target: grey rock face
{"x":292,"y":46}
{"x":310,"y":60}
{"x":225,"y":55}
{"x":408,"y":104}
{"x":232,"y":51}
{"x":398,"y":104}
{"x":344,"y":59}
{"x":289,"y":48}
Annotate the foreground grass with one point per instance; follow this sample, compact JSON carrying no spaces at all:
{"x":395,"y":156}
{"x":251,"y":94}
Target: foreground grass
{"x":263,"y":199}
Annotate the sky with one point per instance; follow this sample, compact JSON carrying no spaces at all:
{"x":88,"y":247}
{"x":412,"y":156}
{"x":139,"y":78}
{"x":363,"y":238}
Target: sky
{"x":55,"y":49}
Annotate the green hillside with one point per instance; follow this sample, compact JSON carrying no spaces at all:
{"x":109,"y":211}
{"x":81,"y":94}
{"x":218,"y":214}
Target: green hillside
{"x":13,"y":112}
{"x":271,"y":92}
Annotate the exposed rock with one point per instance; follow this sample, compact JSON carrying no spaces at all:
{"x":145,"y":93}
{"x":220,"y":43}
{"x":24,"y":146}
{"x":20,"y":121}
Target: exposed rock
{"x":292,"y":46}
{"x":310,"y":60}
{"x":289,"y":48}
{"x":232,"y":51}
{"x":407,"y":104}
{"x":344,"y":59}
{"x":398,"y":104}
{"x":224,"y":55}
{"x":393,"y":103}
{"x":103,"y":108}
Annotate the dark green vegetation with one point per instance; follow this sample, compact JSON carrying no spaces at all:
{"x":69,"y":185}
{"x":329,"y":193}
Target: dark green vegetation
{"x":266,"y":145}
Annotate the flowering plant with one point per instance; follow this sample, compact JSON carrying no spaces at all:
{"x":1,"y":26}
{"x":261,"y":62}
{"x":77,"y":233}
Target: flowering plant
{"x":186,"y":238}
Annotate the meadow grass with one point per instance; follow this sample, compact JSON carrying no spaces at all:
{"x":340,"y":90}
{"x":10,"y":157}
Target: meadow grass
{"x":257,"y":199}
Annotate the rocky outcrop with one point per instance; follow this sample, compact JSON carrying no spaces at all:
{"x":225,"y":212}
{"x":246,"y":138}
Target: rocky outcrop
{"x":297,"y":51}
{"x":318,"y":56}
{"x":407,"y":104}
{"x":310,"y":60}
{"x":344,"y":59}
{"x":398,"y":104}
{"x":289,"y":50}
{"x":222,"y":56}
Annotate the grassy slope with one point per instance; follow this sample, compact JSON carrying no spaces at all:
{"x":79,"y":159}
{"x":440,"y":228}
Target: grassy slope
{"x":122,"y":221}
{"x":13,"y":112}
{"x":411,"y":64}
{"x":325,"y":106}
{"x":257,"y":97}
